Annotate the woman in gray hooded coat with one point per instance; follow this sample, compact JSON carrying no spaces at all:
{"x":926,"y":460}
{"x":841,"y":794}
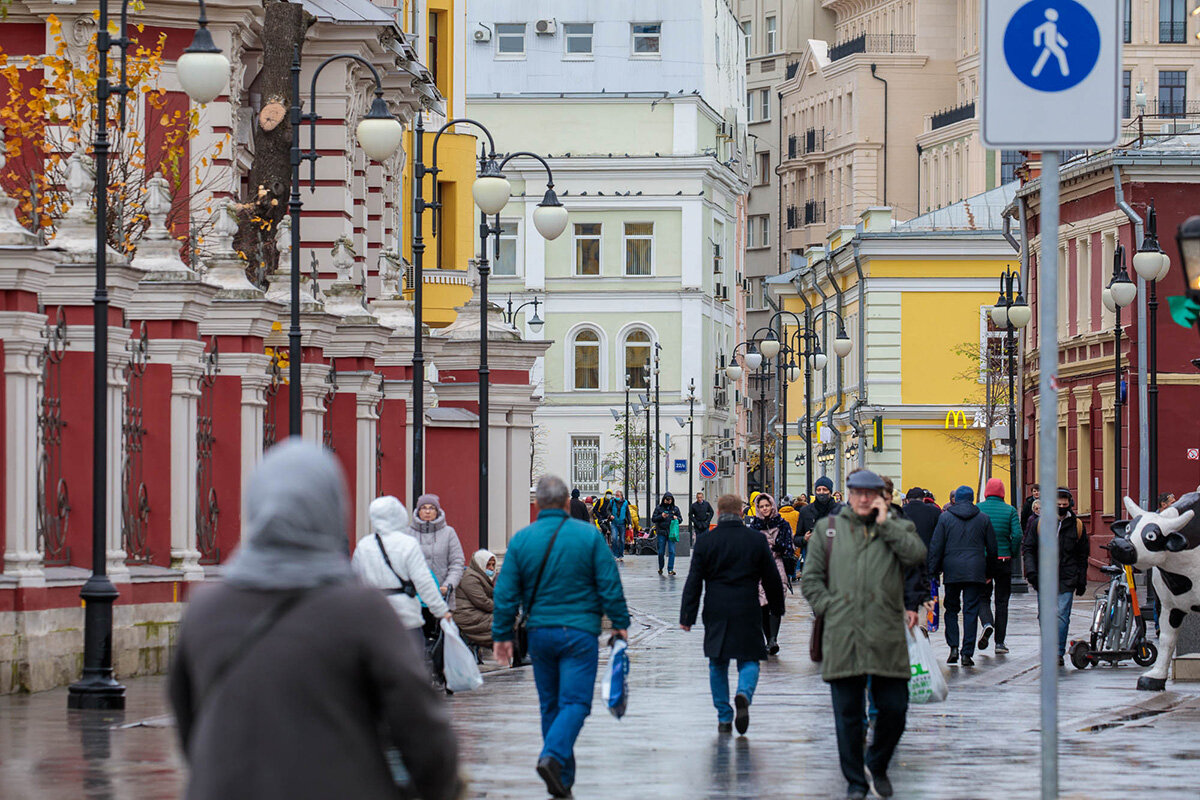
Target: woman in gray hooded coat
{"x":290,"y":677}
{"x":440,"y":544}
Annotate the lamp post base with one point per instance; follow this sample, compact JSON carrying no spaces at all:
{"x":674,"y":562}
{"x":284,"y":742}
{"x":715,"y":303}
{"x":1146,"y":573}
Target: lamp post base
{"x":97,"y":689}
{"x":96,"y":693}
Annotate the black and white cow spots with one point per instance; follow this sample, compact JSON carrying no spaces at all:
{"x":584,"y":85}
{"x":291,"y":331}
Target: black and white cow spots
{"x":1176,"y":617}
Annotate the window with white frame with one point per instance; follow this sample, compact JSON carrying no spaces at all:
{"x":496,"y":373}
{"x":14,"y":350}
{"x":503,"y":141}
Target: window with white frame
{"x":991,"y":347}
{"x":763,"y":167}
{"x":718,"y":245}
{"x":586,"y":356}
{"x":639,"y":248}
{"x":764,"y":230}
{"x":577,"y":39}
{"x":646,"y":38}
{"x":587,"y":248}
{"x":506,"y":261}
{"x":510,"y":39}
{"x":585,"y":463}
{"x":747,"y":29}
{"x":771,"y":32}
{"x":637,"y":355}
{"x":750,"y":106}
{"x":764,"y":102}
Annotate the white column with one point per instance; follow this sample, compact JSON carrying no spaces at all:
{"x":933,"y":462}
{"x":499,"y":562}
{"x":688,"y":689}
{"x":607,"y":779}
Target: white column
{"x":185,"y":395}
{"x":117,"y":358}
{"x":20,"y":332}
{"x":254,"y":406}
{"x":365,"y":488}
{"x":312,"y":413}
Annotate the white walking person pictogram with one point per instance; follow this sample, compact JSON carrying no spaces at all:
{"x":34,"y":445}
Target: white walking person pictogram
{"x":1052,"y":42}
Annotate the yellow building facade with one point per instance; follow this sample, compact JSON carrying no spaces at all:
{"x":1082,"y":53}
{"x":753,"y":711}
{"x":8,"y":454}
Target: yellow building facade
{"x":924,"y":390}
{"x":439,"y":26}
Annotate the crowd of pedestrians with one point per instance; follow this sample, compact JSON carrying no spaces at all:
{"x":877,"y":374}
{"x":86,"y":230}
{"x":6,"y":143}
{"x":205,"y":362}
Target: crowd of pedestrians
{"x":357,"y":668}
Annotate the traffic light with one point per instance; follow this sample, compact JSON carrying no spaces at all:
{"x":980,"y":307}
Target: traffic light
{"x":877,"y":435}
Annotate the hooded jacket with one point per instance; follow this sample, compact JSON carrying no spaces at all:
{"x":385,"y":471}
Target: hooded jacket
{"x":1073,"y":549}
{"x":664,"y":513}
{"x":1005,"y":523}
{"x":442,"y":550}
{"x":389,"y":519}
{"x":963,"y":546}
{"x":473,"y":611}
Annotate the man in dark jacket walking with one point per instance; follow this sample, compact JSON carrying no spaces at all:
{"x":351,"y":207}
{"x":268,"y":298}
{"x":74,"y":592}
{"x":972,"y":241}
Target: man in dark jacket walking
{"x":1027,"y":507}
{"x":962,"y":552}
{"x":662,"y":516}
{"x":1073,"y":551}
{"x":579,"y":509}
{"x":1007,"y":526}
{"x":821,"y":507}
{"x":700,"y":515}
{"x":728,"y":565}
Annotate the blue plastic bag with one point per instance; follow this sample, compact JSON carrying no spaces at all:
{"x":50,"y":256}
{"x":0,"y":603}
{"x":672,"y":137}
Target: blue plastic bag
{"x":614,"y":688}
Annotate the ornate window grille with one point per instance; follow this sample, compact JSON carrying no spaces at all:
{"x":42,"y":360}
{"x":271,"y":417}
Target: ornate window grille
{"x":270,"y":421}
{"x":327,"y":402}
{"x":379,"y":437}
{"x":53,"y":499}
{"x":207,"y":510}
{"x":135,"y":502}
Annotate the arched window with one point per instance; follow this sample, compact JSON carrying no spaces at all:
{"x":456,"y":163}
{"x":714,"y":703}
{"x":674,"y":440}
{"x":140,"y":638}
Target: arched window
{"x":637,"y":354}
{"x":587,"y":359}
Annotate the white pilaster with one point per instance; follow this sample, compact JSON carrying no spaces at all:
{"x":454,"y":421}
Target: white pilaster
{"x":20,"y":332}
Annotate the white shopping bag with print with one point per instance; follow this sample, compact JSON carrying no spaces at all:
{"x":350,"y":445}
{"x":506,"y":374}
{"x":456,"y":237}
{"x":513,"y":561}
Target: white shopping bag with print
{"x":926,"y":683}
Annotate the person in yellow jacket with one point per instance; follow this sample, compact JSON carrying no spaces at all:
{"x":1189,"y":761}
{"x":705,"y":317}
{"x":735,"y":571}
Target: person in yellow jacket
{"x":789,"y":512}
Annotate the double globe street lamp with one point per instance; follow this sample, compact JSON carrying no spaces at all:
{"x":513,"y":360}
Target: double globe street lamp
{"x":203,"y":72}
{"x":1120,"y":292}
{"x":1011,"y":313}
{"x":1152,"y":265}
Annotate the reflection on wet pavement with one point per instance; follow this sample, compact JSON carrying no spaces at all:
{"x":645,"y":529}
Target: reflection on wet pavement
{"x":981,"y":743}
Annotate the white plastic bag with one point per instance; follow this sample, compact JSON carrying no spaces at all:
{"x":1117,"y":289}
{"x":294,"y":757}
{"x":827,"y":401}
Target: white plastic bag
{"x":926,"y":684}
{"x":462,"y":674}
{"x":614,"y":686}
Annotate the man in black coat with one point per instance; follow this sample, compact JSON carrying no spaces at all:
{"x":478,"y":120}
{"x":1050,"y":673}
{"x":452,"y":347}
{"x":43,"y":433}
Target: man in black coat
{"x":728,"y":564}
{"x":963,"y":550}
{"x":1073,"y":549}
{"x":821,"y":507}
{"x":579,"y":509}
{"x":700,"y":514}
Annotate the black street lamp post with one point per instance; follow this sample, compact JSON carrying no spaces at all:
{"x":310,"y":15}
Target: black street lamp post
{"x":691,"y":424}
{"x":203,"y":73}
{"x":1011,"y":312}
{"x":1152,"y":265}
{"x":1119,"y":293}
{"x":379,"y":134}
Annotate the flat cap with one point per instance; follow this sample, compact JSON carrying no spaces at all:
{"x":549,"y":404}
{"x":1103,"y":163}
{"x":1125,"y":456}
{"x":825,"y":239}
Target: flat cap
{"x":865,"y":479}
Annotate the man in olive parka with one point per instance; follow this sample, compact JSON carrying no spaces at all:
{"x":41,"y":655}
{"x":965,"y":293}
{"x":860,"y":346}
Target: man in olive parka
{"x":854,"y":578}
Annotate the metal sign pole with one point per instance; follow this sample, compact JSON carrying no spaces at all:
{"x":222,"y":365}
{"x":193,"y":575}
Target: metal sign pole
{"x":1048,"y":469}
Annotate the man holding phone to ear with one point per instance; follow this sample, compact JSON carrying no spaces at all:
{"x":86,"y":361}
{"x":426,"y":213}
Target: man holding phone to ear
{"x":854,"y":579}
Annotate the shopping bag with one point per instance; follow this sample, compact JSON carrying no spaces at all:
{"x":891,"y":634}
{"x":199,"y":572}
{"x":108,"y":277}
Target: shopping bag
{"x":926,"y":683}
{"x":614,"y":687}
{"x":462,"y":674}
{"x":673,"y":532}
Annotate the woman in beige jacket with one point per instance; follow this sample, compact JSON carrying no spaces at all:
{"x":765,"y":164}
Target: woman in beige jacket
{"x":473,"y":596}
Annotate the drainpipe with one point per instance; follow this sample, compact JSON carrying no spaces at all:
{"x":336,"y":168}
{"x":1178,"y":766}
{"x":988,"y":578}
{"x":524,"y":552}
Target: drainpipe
{"x":1143,"y":386}
{"x":1008,"y":237}
{"x":841,"y":395}
{"x":862,"y":342}
{"x":920,"y":150}
{"x":885,"y":130}
{"x":826,"y":410}
{"x":780,"y":387}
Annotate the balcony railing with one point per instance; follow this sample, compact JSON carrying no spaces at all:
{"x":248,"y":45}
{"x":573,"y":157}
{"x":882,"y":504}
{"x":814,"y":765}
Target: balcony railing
{"x":950,"y":116}
{"x":1172,"y":32}
{"x":793,"y":217}
{"x":874,"y":43}
{"x":814,"y":211}
{"x":792,"y":145}
{"x":814,"y":140}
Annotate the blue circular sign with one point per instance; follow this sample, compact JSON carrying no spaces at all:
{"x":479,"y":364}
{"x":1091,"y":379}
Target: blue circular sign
{"x":1051,"y":45}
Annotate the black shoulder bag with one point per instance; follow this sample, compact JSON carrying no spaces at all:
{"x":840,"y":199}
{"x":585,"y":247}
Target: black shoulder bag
{"x":406,"y":586}
{"x":816,"y":650}
{"x":522,"y":627}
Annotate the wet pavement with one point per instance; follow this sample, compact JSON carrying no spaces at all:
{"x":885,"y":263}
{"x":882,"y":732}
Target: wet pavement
{"x":983,"y":742}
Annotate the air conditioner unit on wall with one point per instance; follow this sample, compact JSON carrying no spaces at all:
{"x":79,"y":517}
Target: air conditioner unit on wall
{"x":482,"y":35}
{"x":546,"y":27}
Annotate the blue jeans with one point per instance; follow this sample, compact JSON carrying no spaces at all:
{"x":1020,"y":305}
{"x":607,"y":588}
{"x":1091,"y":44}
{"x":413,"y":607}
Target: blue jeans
{"x":718,"y":681}
{"x":618,"y":539}
{"x":1064,"y":619}
{"x":564,"y":669}
{"x":666,"y":548}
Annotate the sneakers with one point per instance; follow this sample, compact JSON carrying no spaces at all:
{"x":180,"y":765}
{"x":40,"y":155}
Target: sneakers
{"x":724,"y":727}
{"x":660,"y":572}
{"x":881,"y":785}
{"x":671,"y":573}
{"x":967,"y":661}
{"x":550,"y":771}
{"x":953,"y":659}
{"x":1001,"y":649}
{"x":988,"y":630}
{"x":742,"y":714}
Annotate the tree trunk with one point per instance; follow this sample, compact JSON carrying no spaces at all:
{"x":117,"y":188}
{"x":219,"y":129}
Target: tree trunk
{"x":284,"y":28}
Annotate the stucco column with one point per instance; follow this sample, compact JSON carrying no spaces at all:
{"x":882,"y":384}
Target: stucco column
{"x":117,"y":357}
{"x":254,"y":384}
{"x":365,"y":489}
{"x":21,"y":335}
{"x":185,"y":396}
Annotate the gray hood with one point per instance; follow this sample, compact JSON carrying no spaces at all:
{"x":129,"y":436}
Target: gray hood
{"x":295,"y":522}
{"x":388,"y":515}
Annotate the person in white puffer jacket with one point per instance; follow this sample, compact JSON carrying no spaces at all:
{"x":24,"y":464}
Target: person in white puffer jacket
{"x":389,"y":521}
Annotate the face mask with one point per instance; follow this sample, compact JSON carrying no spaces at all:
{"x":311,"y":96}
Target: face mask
{"x":490,"y":572}
{"x":1062,"y":512}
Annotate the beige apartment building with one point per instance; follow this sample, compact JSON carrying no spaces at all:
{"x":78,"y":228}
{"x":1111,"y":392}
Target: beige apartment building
{"x":774,"y":34}
{"x":886,"y":115}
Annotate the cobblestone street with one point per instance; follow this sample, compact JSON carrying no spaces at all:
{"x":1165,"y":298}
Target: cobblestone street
{"x":981,"y":743}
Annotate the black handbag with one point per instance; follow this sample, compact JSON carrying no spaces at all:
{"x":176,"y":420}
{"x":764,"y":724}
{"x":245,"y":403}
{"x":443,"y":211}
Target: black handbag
{"x":521,"y":629}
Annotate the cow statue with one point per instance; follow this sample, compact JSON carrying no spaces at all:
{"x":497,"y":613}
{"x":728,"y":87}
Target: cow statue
{"x":1169,"y":541}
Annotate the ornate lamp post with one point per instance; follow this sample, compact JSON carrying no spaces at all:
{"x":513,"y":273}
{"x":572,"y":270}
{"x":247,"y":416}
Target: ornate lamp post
{"x":203,"y":73}
{"x":379,"y":134}
{"x":1152,"y":265}
{"x":690,"y":423}
{"x":1012,"y":313}
{"x":1119,"y":293}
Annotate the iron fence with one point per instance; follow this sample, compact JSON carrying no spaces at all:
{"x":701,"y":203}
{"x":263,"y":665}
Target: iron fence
{"x":53,"y":498}
{"x":208,"y":510}
{"x":135,"y":499}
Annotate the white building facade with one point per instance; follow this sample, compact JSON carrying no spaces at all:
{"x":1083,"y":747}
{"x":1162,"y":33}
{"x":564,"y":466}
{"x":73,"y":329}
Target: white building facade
{"x":637,"y":109}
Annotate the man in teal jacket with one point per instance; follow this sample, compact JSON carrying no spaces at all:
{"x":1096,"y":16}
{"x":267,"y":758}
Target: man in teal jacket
{"x":563,"y":603}
{"x":1007,"y":524}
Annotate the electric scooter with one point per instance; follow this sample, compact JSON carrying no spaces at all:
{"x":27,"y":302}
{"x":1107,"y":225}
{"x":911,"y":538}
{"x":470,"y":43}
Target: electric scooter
{"x":1118,"y":628}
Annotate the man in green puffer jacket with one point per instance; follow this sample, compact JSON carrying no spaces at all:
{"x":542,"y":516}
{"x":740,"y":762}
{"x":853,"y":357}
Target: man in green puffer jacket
{"x":859,"y":590}
{"x":1007,"y":524}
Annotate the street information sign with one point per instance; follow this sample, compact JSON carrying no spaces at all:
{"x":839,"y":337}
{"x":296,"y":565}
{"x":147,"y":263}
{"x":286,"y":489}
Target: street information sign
{"x":681,"y":465}
{"x":708,"y":468}
{"x":1051,"y":74}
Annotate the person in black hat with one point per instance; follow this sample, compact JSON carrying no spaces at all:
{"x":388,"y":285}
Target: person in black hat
{"x":579,"y":509}
{"x":1073,"y":549}
{"x":821,"y":507}
{"x":963,"y":552}
{"x":863,"y":552}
